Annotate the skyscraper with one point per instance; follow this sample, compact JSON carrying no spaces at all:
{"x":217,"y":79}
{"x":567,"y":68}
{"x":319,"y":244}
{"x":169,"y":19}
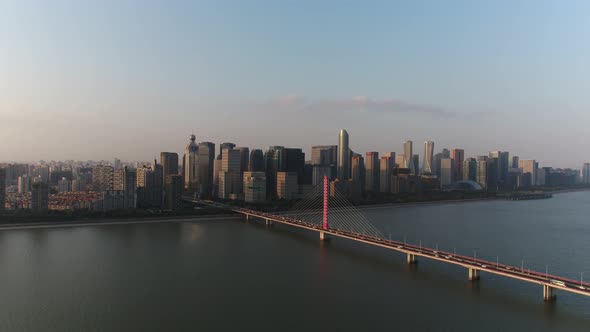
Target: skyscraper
{"x":358,"y":172}
{"x":416,"y":163}
{"x":174,"y":187}
{"x":158,"y":191}
{"x":482,"y":171}
{"x":39,"y":196}
{"x":129,"y":187}
{"x":470,"y":169}
{"x":254,"y":187}
{"x":244,"y":158}
{"x":324,"y":155}
{"x":205,"y":161}
{"x":343,"y":156}
{"x":372,"y":171}
{"x":256,"y":163}
{"x":230,"y":178}
{"x":409,"y":157}
{"x":2,"y":188}
{"x":446,"y":172}
{"x":169,"y":162}
{"x":457,"y":155}
{"x":427,"y":167}
{"x":585,"y":173}
{"x":24,"y":184}
{"x":386,"y":165}
{"x":191,"y":165}
{"x":529,"y":167}
{"x":502,"y":166}
{"x":514,"y":161}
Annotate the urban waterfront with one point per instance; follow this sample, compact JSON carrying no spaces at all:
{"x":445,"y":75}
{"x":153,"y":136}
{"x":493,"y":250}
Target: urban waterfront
{"x":229,"y":275}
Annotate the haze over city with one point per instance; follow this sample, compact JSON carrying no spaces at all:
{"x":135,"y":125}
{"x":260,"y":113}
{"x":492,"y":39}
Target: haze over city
{"x":110,"y":79}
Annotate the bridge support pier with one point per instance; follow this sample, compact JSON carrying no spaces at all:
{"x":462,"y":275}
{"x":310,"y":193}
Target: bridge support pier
{"x":548,"y":293}
{"x":412,"y":259}
{"x":268,"y":222}
{"x":473,"y":274}
{"x":247,"y":217}
{"x":324,"y":236}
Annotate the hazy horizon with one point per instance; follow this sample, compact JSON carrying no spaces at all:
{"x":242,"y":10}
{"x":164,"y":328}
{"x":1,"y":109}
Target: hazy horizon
{"x":95,"y":81}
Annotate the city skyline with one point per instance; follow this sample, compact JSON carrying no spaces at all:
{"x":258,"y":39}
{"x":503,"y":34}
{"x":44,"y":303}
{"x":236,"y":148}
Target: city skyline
{"x":95,"y":81}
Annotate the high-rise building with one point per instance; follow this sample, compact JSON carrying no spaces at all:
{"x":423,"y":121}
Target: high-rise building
{"x":39,"y":196}
{"x":446,"y":172}
{"x":324,"y":155}
{"x":118,"y":178}
{"x":586,"y":173}
{"x":117,"y":164}
{"x":438,"y":157}
{"x":24,"y":184}
{"x":169,"y":162}
{"x":482,"y":171}
{"x":386,"y":165}
{"x":492,"y":169}
{"x":427,"y":167}
{"x":191,"y":165}
{"x":400,"y":161}
{"x":343,"y":156}
{"x":256,"y":163}
{"x":2,"y":188}
{"x":416,"y":163}
{"x":502,"y":167}
{"x":102,"y":178}
{"x":144,"y":187}
{"x":372,"y":182}
{"x":458,"y":156}
{"x":470,"y":169}
{"x":409,"y":157}
{"x":158,"y":191}
{"x":287,"y":187}
{"x":318,"y":174}
{"x":205,"y":161}
{"x":254,"y":187}
{"x":63,"y":185}
{"x":129,"y":187}
{"x":230,"y":178}
{"x":514,"y":162}
{"x":529,"y":167}
{"x":244,"y":158}
{"x":174,"y":188}
{"x":358,"y":172}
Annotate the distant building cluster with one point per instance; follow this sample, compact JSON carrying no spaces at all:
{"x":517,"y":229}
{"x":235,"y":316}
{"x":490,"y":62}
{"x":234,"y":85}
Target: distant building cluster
{"x":256,"y":176}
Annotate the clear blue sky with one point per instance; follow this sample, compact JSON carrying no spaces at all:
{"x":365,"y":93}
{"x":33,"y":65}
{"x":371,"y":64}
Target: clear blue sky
{"x":128,"y":79}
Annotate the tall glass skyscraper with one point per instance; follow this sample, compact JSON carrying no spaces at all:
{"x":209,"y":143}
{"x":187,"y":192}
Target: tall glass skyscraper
{"x":428,"y":155}
{"x":343,"y":156}
{"x":409,"y":156}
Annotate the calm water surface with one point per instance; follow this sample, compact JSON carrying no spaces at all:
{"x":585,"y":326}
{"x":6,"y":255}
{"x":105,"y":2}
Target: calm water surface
{"x":229,"y":275}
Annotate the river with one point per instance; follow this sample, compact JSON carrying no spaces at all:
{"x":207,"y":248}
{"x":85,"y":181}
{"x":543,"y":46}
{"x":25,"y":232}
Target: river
{"x":226,"y":274}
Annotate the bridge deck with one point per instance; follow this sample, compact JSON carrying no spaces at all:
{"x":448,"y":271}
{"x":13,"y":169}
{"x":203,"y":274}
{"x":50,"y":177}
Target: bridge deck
{"x":557,"y":282}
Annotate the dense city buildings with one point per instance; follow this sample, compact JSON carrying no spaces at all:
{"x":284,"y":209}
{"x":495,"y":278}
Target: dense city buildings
{"x":39,"y":196}
{"x":102,"y":178}
{"x":2,"y":188}
{"x":427,"y":167}
{"x":586,"y":173}
{"x":343,"y":156}
{"x":372,"y":169}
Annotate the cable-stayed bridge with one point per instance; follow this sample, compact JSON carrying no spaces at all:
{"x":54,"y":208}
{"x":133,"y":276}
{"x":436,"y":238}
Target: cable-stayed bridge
{"x":329,"y":213}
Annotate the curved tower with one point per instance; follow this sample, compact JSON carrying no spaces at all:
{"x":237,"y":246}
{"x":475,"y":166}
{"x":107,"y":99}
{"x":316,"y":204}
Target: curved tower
{"x":409,"y":156}
{"x":428,"y":156}
{"x":191,"y":166}
{"x":343,"y":156}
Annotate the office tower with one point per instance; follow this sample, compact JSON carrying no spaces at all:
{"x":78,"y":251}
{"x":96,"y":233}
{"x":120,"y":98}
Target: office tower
{"x":3,"y":188}
{"x":585,"y":173}
{"x":102,"y":178}
{"x":158,"y":191}
{"x":169,"y":162}
{"x":386,"y":165}
{"x":514,"y":162}
{"x":174,"y":186}
{"x":287,"y":187}
{"x":39,"y":196}
{"x":226,"y":145}
{"x":117,"y":164}
{"x":343,"y":156}
{"x":416,"y":163}
{"x":144,"y":187}
{"x":446,"y":172}
{"x":409,"y":157}
{"x":230,"y":178}
{"x":492,"y":169}
{"x":191,"y":165}
{"x":470,"y":169}
{"x":437,"y":160}
{"x":281,"y":159}
{"x":324,"y":155}
{"x":129,"y":187}
{"x":63,"y":185}
{"x":372,"y":182}
{"x":400,"y":161}
{"x":244,"y":158}
{"x":254,"y":187}
{"x":502,"y":167}
{"x":542,"y":174}
{"x":318,"y":174}
{"x":358,"y":172}
{"x":482,"y":165}
{"x":205,"y":161}
{"x":427,"y":167}
{"x":24,"y":184}
{"x":256,"y":163}
{"x":529,"y":167}
{"x":458,"y":156}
